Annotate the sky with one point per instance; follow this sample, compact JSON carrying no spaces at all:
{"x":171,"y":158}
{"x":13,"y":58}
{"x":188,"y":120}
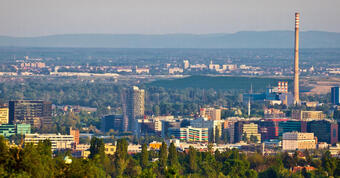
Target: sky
{"x":29,"y":18}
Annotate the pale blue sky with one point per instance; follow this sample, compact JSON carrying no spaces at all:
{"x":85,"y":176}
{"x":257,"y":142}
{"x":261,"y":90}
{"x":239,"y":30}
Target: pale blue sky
{"x":46,"y":17}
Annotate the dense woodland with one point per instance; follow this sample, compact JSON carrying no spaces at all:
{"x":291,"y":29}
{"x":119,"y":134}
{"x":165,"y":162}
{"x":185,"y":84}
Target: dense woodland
{"x":37,"y":161}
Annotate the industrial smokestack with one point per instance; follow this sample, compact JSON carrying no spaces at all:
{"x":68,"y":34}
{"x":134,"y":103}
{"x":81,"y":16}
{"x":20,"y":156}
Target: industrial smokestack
{"x":296,"y":60}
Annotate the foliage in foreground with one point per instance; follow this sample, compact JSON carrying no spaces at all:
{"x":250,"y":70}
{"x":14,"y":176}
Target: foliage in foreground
{"x":37,"y":161}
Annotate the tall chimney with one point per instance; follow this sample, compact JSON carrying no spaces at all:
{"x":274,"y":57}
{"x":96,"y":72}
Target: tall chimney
{"x":296,"y":60}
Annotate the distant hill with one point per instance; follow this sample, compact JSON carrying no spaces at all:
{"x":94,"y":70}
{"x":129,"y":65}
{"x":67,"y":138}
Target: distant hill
{"x":220,"y":82}
{"x":246,"y":39}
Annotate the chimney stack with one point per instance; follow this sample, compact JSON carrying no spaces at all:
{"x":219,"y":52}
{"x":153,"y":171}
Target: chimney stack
{"x":296,"y":60}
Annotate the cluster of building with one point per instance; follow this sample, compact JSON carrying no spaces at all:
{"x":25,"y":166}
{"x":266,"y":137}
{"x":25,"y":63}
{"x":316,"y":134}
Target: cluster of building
{"x":18,"y":117}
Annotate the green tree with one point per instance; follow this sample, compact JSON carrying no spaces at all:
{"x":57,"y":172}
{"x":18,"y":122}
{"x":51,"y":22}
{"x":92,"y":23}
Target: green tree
{"x":328,"y":163}
{"x":163,"y":155}
{"x":192,"y":160}
{"x":144,"y":161}
{"x":97,"y":147}
{"x":173,"y":158}
{"x":121,"y":157}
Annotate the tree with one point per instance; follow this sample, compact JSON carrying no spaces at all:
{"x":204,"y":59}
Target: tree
{"x":121,"y":157}
{"x":173,"y":158}
{"x":217,"y":135}
{"x":97,"y":147}
{"x":328,"y":163}
{"x":144,"y":157}
{"x":163,"y":155}
{"x":192,"y":160}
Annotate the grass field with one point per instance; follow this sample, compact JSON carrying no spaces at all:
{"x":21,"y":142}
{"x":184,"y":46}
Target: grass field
{"x":220,"y":82}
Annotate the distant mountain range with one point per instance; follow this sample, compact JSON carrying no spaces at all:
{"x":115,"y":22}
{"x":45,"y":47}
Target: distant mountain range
{"x":246,"y":39}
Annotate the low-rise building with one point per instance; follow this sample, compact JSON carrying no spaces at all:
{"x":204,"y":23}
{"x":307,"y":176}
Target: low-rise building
{"x":110,"y":149}
{"x":7,"y":130}
{"x":211,"y":113}
{"x":308,"y":115}
{"x":22,"y":129}
{"x":58,"y":141}
{"x":190,"y":134}
{"x":298,"y":141}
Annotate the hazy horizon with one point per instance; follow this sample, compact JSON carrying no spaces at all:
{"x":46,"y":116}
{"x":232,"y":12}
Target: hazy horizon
{"x":44,"y":17}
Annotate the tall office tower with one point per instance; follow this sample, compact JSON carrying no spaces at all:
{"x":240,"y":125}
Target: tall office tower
{"x":296,"y":60}
{"x":37,"y":113}
{"x":335,"y":94}
{"x":134,"y":108}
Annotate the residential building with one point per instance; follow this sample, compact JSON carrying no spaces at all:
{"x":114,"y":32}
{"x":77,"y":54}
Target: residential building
{"x":190,"y":134}
{"x":214,"y":126}
{"x":110,"y":149}
{"x":245,"y":130}
{"x":134,"y":108}
{"x":298,"y":141}
{"x":58,"y":141}
{"x":7,"y":130}
{"x":36,"y":113}
{"x":308,"y":115}
{"x":273,"y":113}
{"x":4,"y":115}
{"x":211,"y":113}
{"x":23,"y":129}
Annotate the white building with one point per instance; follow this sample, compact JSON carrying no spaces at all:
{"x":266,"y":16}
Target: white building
{"x":298,"y":141}
{"x":58,"y":141}
{"x":212,"y":125}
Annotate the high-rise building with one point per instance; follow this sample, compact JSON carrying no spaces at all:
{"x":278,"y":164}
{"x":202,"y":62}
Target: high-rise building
{"x":4,"y":115}
{"x":335,"y":95}
{"x":298,"y":141}
{"x":134,"y":108}
{"x":36,"y":113}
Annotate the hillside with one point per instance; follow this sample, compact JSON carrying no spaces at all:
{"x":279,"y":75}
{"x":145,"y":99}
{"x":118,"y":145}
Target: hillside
{"x":247,"y":39}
